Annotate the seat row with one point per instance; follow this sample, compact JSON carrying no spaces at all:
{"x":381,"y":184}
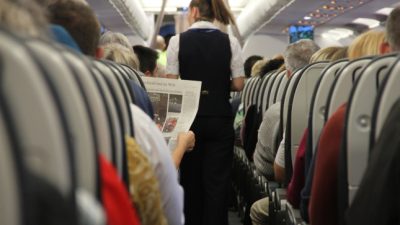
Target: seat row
{"x":58,"y":112}
{"x":367,"y":89}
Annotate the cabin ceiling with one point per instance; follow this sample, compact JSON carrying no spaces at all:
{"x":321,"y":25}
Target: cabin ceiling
{"x":289,"y":15}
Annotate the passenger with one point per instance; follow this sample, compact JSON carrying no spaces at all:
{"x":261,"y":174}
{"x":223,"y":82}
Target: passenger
{"x":148,"y":60}
{"x":206,"y":54}
{"x":329,"y":54}
{"x":80,"y":22}
{"x":367,"y":44}
{"x":120,"y":54}
{"x":323,"y":208}
{"x":249,"y":63}
{"x":256,"y":69}
{"x":297,"y":55}
{"x":272,"y":65}
{"x":374,"y":202}
{"x":115,"y":38}
{"x":78,"y":18}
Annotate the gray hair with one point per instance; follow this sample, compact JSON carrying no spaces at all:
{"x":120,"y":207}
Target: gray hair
{"x":24,"y":16}
{"x":298,"y":54}
{"x":115,"y":38}
{"x":393,"y":29}
{"x":120,"y":54}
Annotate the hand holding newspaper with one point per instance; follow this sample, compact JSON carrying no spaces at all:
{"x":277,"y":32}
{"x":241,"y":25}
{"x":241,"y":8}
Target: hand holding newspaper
{"x":175,"y":104}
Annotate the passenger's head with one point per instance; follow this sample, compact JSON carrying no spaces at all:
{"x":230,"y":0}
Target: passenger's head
{"x":24,"y":17}
{"x":119,"y":54}
{"x":257,"y":67}
{"x":392,"y":32}
{"x":210,"y":10}
{"x":329,"y":54}
{"x":298,"y":54}
{"x":271,"y":65}
{"x":366,"y":44}
{"x":114,"y":38}
{"x":160,"y":43}
{"x":148,"y":59}
{"x":80,"y":21}
{"x":249,"y":63}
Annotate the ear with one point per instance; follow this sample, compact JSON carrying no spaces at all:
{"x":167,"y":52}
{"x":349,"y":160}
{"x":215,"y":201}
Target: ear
{"x":99,"y":53}
{"x":288,"y":73}
{"x":193,"y":14}
{"x":148,"y":74}
{"x":385,"y":48}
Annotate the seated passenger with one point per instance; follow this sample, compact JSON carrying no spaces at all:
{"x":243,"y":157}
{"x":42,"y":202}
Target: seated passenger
{"x":297,"y":55}
{"x":148,"y":60}
{"x":323,"y":208}
{"x":84,"y":27}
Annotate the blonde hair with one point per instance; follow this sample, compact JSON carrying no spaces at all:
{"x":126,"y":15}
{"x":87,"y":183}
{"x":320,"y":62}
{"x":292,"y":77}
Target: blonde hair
{"x":257,"y":67}
{"x":115,"y":38}
{"x":367,"y":44}
{"x":329,"y":54}
{"x":120,"y":54}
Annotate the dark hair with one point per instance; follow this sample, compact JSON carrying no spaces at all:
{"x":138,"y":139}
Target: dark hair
{"x":249,"y":63}
{"x":393,"y":30}
{"x":147,"y":58}
{"x":80,"y":21}
{"x":213,"y":10}
{"x":271,"y":65}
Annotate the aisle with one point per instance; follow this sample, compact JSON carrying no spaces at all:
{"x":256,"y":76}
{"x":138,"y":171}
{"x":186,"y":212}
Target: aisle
{"x":234,"y":218}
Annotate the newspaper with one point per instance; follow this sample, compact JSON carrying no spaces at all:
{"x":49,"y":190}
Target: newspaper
{"x":175,"y":104}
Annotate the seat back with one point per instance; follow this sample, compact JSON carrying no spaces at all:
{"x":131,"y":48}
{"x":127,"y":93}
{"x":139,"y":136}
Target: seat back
{"x":254,"y":90}
{"x":268,"y":92}
{"x":246,"y":92}
{"x":40,"y":133}
{"x":298,"y":109}
{"x":282,"y":87}
{"x":274,"y":90}
{"x":340,"y":90}
{"x":263,"y":92}
{"x":318,"y":103}
{"x":81,"y":130}
{"x":10,"y":194}
{"x":387,"y":95}
{"x":359,"y":112}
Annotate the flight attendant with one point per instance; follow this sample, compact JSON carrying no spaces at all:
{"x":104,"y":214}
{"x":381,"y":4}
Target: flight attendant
{"x":204,"y":53}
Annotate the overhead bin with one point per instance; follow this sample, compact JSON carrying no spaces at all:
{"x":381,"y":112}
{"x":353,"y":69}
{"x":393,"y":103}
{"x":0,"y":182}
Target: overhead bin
{"x":257,"y":14}
{"x":130,"y":11}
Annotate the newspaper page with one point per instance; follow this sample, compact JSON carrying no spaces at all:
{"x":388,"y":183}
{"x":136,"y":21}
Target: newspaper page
{"x":175,"y":104}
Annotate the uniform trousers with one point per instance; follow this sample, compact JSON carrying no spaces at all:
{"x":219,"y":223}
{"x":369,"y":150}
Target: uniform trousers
{"x":205,"y":172}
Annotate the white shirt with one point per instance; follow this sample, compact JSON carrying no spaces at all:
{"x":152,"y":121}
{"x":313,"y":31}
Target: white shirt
{"x":173,"y":52}
{"x":150,"y":139}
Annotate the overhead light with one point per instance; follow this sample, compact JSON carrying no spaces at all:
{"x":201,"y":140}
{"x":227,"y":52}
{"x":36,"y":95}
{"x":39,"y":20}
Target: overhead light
{"x":371,"y":23}
{"x":384,"y":11}
{"x":307,"y":18}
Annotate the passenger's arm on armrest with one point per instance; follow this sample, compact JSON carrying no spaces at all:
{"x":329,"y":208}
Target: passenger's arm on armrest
{"x":279,"y":163}
{"x":279,"y":173}
{"x":237,"y":84}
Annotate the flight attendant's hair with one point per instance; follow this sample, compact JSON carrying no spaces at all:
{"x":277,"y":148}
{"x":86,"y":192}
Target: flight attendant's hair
{"x":214,"y":10}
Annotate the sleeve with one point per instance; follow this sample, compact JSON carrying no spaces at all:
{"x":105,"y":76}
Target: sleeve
{"x":280,"y":155}
{"x":172,"y":56}
{"x":152,"y":142}
{"x":237,"y":58}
